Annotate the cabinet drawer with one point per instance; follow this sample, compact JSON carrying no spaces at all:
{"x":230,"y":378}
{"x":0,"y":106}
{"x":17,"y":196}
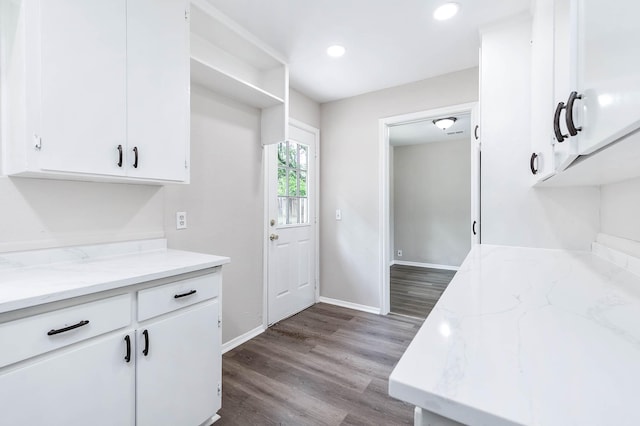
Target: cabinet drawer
{"x":170,"y":297}
{"x":28,"y":337}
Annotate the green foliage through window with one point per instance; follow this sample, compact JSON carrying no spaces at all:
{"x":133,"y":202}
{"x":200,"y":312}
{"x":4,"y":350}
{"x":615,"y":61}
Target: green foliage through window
{"x":292,"y":183}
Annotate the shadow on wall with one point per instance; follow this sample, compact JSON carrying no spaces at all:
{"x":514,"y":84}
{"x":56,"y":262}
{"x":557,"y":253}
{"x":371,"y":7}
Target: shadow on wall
{"x":43,"y":213}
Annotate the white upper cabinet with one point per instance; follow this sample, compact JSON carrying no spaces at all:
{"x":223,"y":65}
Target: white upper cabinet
{"x":96,"y":90}
{"x":585,"y":59}
{"x":607,"y":71}
{"x":541,"y":162}
{"x":228,"y":60}
{"x":84,"y":85}
{"x":551,"y":79}
{"x":158,"y":89}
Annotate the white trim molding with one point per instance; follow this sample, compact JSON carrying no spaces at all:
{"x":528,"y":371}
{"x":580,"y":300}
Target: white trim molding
{"x":425,"y":265}
{"x":350,"y":305}
{"x":243,"y":338}
{"x":384,"y":252}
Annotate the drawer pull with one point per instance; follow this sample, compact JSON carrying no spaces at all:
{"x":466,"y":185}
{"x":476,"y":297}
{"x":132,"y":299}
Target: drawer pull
{"x":189,"y":293}
{"x":127,"y":357}
{"x":71,"y":327}
{"x":145,"y":351}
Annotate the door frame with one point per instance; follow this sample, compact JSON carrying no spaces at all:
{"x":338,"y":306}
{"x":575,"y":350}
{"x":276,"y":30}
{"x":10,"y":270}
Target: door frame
{"x":267,"y":228}
{"x":384,"y":180}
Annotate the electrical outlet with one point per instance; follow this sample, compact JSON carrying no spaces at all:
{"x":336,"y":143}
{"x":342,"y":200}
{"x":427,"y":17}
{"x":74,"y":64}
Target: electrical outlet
{"x":399,"y":253}
{"x":181,"y":220}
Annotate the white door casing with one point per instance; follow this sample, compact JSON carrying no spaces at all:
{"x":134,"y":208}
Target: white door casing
{"x":383,"y":185}
{"x":291,"y":247}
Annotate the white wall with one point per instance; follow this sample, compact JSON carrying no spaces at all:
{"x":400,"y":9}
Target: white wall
{"x":42,"y":213}
{"x":304,"y":109}
{"x":225,"y":200}
{"x":224,"y":203}
{"x":620,"y":209}
{"x":432,"y":187}
{"x":349,"y":170}
{"x":514,"y":213}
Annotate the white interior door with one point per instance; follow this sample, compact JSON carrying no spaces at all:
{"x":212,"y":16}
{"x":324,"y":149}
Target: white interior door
{"x":291,"y":227}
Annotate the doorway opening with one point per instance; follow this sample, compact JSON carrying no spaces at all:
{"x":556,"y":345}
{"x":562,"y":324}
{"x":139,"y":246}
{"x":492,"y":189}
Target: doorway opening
{"x":430,"y":204}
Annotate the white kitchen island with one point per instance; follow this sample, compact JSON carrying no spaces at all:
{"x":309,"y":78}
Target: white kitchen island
{"x":526,"y":336}
{"x":113,"y":334}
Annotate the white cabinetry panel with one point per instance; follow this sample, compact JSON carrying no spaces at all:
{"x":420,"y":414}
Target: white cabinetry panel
{"x":92,"y":384}
{"x":180,"y":368}
{"x":157,"y":88}
{"x":83,"y":76}
{"x":608,"y":71}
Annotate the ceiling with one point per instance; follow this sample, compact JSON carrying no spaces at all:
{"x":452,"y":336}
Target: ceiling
{"x":424,"y":131}
{"x":388,"y":43}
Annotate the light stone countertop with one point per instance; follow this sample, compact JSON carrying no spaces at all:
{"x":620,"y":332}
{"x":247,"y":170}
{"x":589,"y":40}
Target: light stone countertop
{"x":36,"y":277}
{"x":529,"y":336}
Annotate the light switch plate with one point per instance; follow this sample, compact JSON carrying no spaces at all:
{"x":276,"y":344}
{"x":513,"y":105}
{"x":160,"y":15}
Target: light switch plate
{"x":181,"y":220}
{"x":338,"y":214}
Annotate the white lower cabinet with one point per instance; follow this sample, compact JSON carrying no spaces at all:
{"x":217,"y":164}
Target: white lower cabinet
{"x":96,"y":363}
{"x":175,"y":368}
{"x":92,"y":384}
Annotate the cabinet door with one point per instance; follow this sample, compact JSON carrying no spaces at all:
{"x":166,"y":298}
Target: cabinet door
{"x":83,"y":75}
{"x":158,"y":88}
{"x":89,"y":385}
{"x":542,"y":75}
{"x":563,"y":81}
{"x":608,"y":71}
{"x":178,"y":378}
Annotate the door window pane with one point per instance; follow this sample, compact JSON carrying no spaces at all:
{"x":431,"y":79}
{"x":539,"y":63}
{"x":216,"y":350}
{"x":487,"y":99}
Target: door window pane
{"x":282,"y":181}
{"x":303,"y":156}
{"x":302,"y":191}
{"x":293,"y":164}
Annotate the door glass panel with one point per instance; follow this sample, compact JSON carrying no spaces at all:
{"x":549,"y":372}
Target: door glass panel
{"x":293,"y":210}
{"x":302,"y":191}
{"x":293,"y":155}
{"x":303,"y":157}
{"x":293,"y":183}
{"x":304,"y":210}
{"x":282,"y":154}
{"x":293,"y":164}
{"x":282,"y":210}
{"x":282,"y":182}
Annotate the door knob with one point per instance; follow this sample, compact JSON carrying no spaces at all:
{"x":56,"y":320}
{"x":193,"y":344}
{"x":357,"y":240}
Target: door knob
{"x":273,"y":237}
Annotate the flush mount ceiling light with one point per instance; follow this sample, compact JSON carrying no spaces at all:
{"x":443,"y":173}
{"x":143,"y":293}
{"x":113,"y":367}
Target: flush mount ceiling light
{"x":444,"y":123}
{"x":446,"y":11}
{"x":336,"y":51}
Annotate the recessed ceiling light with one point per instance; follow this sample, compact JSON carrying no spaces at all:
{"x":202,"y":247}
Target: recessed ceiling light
{"x":446,"y":11}
{"x":336,"y":51}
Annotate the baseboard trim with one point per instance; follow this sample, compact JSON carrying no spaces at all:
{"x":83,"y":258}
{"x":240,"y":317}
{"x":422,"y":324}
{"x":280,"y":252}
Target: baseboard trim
{"x":350,"y":305}
{"x":425,"y":265}
{"x":234,"y":343}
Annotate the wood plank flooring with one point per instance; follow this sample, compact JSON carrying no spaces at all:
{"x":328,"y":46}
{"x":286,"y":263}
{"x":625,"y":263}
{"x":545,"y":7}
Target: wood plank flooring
{"x":324,"y":366}
{"x":415,"y":291}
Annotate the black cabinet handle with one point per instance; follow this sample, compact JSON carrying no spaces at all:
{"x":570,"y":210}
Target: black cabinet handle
{"x":119,"y":155}
{"x":473,"y":227}
{"x":127,"y":357}
{"x":568,"y":115}
{"x":475,"y":132}
{"x":71,"y":327}
{"x":189,"y":293}
{"x":532,"y":161}
{"x":556,"y":123}
{"x":135,"y":161}
{"x":145,"y":351}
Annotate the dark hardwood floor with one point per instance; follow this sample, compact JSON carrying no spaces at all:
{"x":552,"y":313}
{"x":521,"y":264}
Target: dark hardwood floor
{"x":324,"y":366}
{"x":415,"y":291}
